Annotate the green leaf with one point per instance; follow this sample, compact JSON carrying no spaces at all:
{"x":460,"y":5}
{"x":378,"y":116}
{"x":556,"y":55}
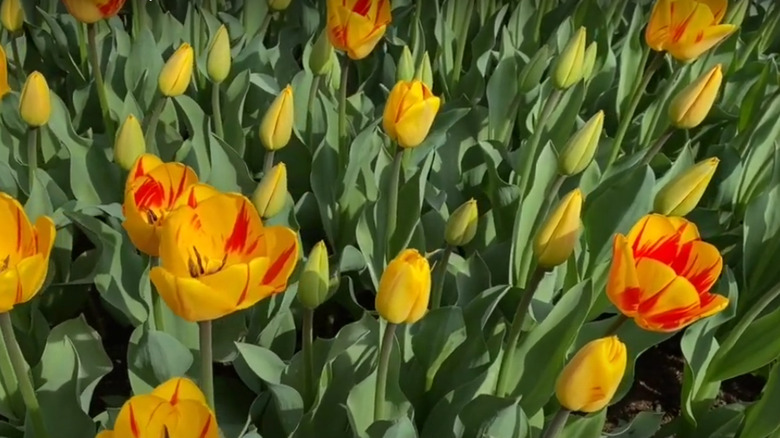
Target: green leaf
{"x":400,"y":428}
{"x":153,"y":357}
{"x":761,"y":418}
{"x":436,"y":336}
{"x":491,"y":416}
{"x":588,"y":426}
{"x":261,"y":362}
{"x":630,"y":59}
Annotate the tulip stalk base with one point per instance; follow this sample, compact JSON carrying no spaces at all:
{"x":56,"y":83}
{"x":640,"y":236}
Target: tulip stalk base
{"x":308,"y":356}
{"x":615,"y":326}
{"x":439,"y":273}
{"x":382,"y":369}
{"x":392,"y":202}
{"x":268,"y":162}
{"x":94,"y":59}
{"x":343,"y":146}
{"x":216,"y":110}
{"x":32,"y":156}
{"x":557,"y":423}
{"x":20,"y":370}
{"x":206,"y":363}
{"x":532,"y":147}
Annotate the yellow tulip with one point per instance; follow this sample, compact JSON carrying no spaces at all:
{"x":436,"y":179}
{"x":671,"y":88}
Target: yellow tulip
{"x":462,"y":224}
{"x":12,"y":15}
{"x":4,"y":87}
{"x":177,"y":72}
{"x":175,"y":409}
{"x":409,"y":113}
{"x":691,"y":105}
{"x":687,"y":28}
{"x":219,"y":58}
{"x":24,"y":253}
{"x":129,"y":143}
{"x":581,"y":147}
{"x":405,"y":288}
{"x":216,"y":258}
{"x":681,"y":195}
{"x":555,"y":241}
{"x":277,"y":124}
{"x":356,"y":26}
{"x":314,"y":283}
{"x":592,"y":376}
{"x":35,"y":103}
{"x":91,"y":11}
{"x":568,"y":69}
{"x":271,"y":194}
{"x":278,"y":5}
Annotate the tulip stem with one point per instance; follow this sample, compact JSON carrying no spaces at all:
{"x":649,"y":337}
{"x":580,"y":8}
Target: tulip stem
{"x":94,"y":59}
{"x":139,"y":17}
{"x":32,"y":156}
{"x":83,"y":52}
{"x":392,"y":202}
{"x":264,"y":25}
{"x":10,"y":384}
{"x":313,"y":89}
{"x":217,"y":110}
{"x":628,"y":115}
{"x":529,"y":159}
{"x":20,"y":370}
{"x":149,"y":136}
{"x":515,"y":331}
{"x":308,"y":356}
{"x":460,"y":49}
{"x":157,"y":309}
{"x":557,"y":423}
{"x":17,"y":60}
{"x":206,"y":363}
{"x":616,"y":324}
{"x":656,"y":147}
{"x":439,"y":273}
{"x":381,"y":373}
{"x":268,"y":162}
{"x":343,"y":147}
{"x":416,"y":30}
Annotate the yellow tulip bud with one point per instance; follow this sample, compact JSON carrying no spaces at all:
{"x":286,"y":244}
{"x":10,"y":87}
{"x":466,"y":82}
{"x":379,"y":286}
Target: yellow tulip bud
{"x":177,"y":72}
{"x":590,"y":60}
{"x":409,"y":113}
{"x":35,"y":103}
{"x":592,"y":376}
{"x":271,"y":194}
{"x":405,"y":70}
{"x":129,"y":143}
{"x":321,"y":57}
{"x":314,"y":282}
{"x":555,"y":241}
{"x":277,"y":125}
{"x":278,"y":5}
{"x":405,"y":288}
{"x":4,"y":87}
{"x":219,"y":58}
{"x":568,"y":68}
{"x":462,"y":224}
{"x":581,"y":147}
{"x":531,"y":74}
{"x":680,"y":195}
{"x":425,"y":71}
{"x":12,"y":15}
{"x":691,"y":105}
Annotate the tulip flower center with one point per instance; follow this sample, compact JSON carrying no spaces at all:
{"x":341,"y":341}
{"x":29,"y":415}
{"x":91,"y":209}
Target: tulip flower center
{"x":200,"y":264}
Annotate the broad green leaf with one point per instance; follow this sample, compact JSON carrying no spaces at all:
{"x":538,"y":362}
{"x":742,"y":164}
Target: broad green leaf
{"x":760,"y":418}
{"x":153,"y":357}
{"x":491,"y":416}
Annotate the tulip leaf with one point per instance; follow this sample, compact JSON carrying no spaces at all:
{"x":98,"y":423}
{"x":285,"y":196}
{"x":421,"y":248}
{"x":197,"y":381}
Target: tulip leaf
{"x":488,"y":415}
{"x":501,"y":94}
{"x":587,"y":426}
{"x":436,"y":336}
{"x":760,"y":418}
{"x":229,"y":170}
{"x":197,"y":125}
{"x":154,"y":357}
{"x":630,"y":59}
{"x":261,"y":362}
{"x":644,"y":425}
{"x":399,"y":428}
{"x":235,"y":94}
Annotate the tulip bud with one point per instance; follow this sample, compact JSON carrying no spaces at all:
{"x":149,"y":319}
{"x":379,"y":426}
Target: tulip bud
{"x":219,"y":59}
{"x":531,"y":74}
{"x":680,"y":195}
{"x":590,"y":60}
{"x":462,"y":224}
{"x":276,"y":127}
{"x":592,"y":376}
{"x":405,"y":70}
{"x":35,"y":103}
{"x":425,"y":71}
{"x":271,"y":194}
{"x":691,"y":105}
{"x":405,"y":288}
{"x":581,"y":147}
{"x":129,"y":143}
{"x":555,"y":241}
{"x":12,"y":15}
{"x":568,"y":68}
{"x":314,"y":282}
{"x":177,"y":72}
{"x":321,"y":56}
{"x":409,"y":113}
{"x":278,"y":5}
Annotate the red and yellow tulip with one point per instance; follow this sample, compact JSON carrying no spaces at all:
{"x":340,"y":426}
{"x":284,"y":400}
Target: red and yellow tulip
{"x":356,"y":26}
{"x":662,"y":273}
{"x":91,"y":11}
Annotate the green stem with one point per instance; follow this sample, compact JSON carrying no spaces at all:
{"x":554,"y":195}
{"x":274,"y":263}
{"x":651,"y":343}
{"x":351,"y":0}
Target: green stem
{"x":99,"y":83}
{"x":628,"y":115}
{"x":149,"y":136}
{"x":308,"y":356}
{"x":656,"y":147}
{"x":343,"y":138}
{"x":17,"y":60}
{"x":515,"y":330}
{"x":206,"y":363}
{"x":557,"y":423}
{"x":313,"y":89}
{"x":25,"y":384}
{"x":529,"y":159}
{"x":457,"y":66}
{"x":416,"y":31}
{"x":392,"y":201}
{"x":10,"y":384}
{"x":32,"y":156}
{"x":217,"y":111}
{"x":268,"y":162}
{"x":381,"y":373}
{"x":157,"y":309}
{"x":139,"y":17}
{"x":616,"y":324}
{"x":439,"y":273}
{"x":83,"y":51}
{"x":264,"y":25}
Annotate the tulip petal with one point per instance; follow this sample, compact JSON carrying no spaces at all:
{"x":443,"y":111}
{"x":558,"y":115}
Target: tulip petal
{"x":194,"y":195}
{"x":282,"y":251}
{"x":178,"y":389}
{"x":338,"y":17}
{"x":420,"y":305}
{"x":240,"y":283}
{"x":18,"y":242}
{"x":189,"y":298}
{"x":655,"y":237}
{"x":46,"y":232}
{"x":701,"y":42}
{"x":383,"y":13}
{"x":666,"y":296}
{"x":192,"y":419}
{"x":401,"y":283}
{"x":142,"y":235}
{"x":416,"y":122}
{"x":142,"y":166}
{"x":623,"y":284}
{"x":688,"y":230}
{"x":699,"y":262}
{"x":659,"y":25}
{"x":32,"y":274}
{"x":143,"y":414}
{"x":10,"y":289}
{"x":105,"y":434}
{"x":361,"y":36}
{"x":718,"y":9}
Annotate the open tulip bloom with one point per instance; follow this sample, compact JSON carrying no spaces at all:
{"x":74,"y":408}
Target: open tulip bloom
{"x":356,"y":26}
{"x":90,"y":11}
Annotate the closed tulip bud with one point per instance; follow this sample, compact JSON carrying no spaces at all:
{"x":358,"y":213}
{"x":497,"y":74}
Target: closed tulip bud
{"x":555,"y":241}
{"x":35,"y":103}
{"x":278,"y":5}
{"x":129,"y":143}
{"x":581,"y":147}
{"x":691,"y":105}
{"x":592,"y":376}
{"x":4,"y":87}
{"x":405,"y":70}
{"x":462,"y":224}
{"x":568,"y":69}
{"x":177,"y":72}
{"x":314,"y":282}
{"x":681,"y":195}
{"x":321,"y":57}
{"x":12,"y":15}
{"x":425,"y":71}
{"x":276,"y":127}
{"x":590,"y":60}
{"x":271,"y":194}
{"x":219,"y":59}
{"x":409,"y":113}
{"x":405,"y":288}
{"x":531,"y":74}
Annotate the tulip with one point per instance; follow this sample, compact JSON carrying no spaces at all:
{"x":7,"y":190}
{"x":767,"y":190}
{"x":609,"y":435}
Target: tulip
{"x":405,"y":288}
{"x":24,"y":253}
{"x":555,"y":241}
{"x":687,"y":28}
{"x":691,"y":105}
{"x":278,"y":5}
{"x":129,"y":143}
{"x":590,"y":60}
{"x":568,"y":69}
{"x":409,"y":113}
{"x":219,"y":59}
{"x":314,"y":283}
{"x":151,"y":192}
{"x":681,"y":195}
{"x":271,"y":194}
{"x":4,"y":87}
{"x":592,"y":376}
{"x":35,"y":103}
{"x":356,"y":26}
{"x":321,"y":57}
{"x":277,"y":125}
{"x":216,"y":258}
{"x":462,"y":224}
{"x":175,"y":409}
{"x":581,"y":147}
{"x":12,"y":15}
{"x":91,"y":11}
{"x":405,"y":69}
{"x":176,"y":74}
{"x":662,"y":272}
